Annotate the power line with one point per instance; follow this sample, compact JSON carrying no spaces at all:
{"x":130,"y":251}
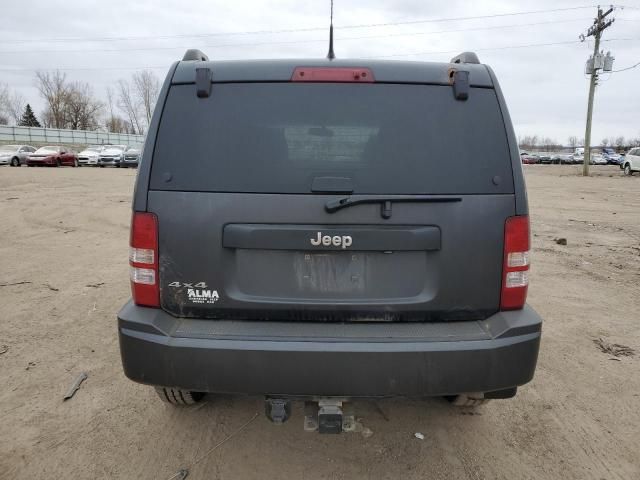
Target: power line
{"x":625,"y":69}
{"x":297,"y":30}
{"x":296,"y":42}
{"x":507,"y":47}
{"x":164,"y":67}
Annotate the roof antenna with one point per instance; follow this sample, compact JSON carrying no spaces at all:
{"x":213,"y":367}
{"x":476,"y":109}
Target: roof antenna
{"x":331,"y":55}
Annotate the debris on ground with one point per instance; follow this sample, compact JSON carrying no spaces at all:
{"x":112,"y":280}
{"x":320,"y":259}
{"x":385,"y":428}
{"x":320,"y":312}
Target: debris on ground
{"x":366,"y":432}
{"x":614,"y":349}
{"x":54,"y":289}
{"x":95,"y":285}
{"x":183,"y":472}
{"x":560,"y":241}
{"x":29,"y":365}
{"x":180,"y":474}
{"x":12,"y":284}
{"x":4,"y":349}
{"x":75,"y":386}
{"x":419,"y":435}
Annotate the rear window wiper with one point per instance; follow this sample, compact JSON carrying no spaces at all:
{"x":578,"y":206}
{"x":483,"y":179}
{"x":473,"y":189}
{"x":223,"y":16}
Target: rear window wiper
{"x":333,"y":206}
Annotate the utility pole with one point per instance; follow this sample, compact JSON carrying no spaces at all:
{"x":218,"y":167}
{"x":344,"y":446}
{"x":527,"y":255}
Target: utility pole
{"x":599,"y":25}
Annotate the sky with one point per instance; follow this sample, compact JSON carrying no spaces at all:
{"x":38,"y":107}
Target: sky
{"x":545,"y":86}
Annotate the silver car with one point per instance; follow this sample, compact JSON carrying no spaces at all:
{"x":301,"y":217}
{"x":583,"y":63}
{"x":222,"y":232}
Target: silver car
{"x":15,"y":155}
{"x":112,"y":155}
{"x":131,"y":157}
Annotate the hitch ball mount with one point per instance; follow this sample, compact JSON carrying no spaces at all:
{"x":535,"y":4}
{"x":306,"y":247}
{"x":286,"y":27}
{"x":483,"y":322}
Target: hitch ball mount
{"x":326,"y":415}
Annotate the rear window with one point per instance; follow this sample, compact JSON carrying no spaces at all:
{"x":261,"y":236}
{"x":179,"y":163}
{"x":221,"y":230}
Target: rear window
{"x":279,"y":137}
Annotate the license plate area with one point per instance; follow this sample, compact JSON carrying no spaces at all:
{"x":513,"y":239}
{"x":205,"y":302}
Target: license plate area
{"x":331,"y":272}
{"x":306,"y":277}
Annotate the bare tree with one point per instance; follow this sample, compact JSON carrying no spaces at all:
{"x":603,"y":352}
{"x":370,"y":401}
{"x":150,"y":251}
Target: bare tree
{"x":604,"y":142}
{"x":147,"y":88}
{"x":573,"y":141}
{"x":15,"y":106}
{"x":11,"y":104}
{"x":619,"y":142}
{"x":54,"y":90}
{"x":128,"y":105}
{"x":113,"y":122}
{"x":82,"y":109}
{"x":4,"y":100}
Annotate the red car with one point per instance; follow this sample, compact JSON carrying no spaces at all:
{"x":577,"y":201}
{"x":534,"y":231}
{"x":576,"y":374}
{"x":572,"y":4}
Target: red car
{"x":529,"y":159}
{"x":52,"y":157}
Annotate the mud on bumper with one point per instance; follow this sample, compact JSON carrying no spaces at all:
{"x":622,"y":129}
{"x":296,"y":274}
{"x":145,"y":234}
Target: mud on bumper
{"x":322,"y":359}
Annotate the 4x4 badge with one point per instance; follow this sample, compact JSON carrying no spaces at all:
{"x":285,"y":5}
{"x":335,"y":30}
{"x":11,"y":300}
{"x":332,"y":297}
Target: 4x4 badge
{"x":198,"y":292}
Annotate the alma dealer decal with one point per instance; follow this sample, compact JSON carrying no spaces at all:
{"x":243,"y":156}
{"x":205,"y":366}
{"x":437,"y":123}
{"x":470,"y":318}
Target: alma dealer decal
{"x":197,"y":292}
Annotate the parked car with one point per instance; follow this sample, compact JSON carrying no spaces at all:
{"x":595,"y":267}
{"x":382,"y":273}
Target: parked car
{"x":131,"y":157}
{"x":112,"y":155}
{"x":544,"y":158}
{"x":529,"y":159}
{"x":611,"y":156}
{"x":577,"y":158}
{"x":52,"y":156}
{"x":631,"y":161}
{"x":597,"y":159}
{"x":15,"y":155}
{"x":90,"y":155}
{"x":562,"y":159}
{"x":310,"y":247}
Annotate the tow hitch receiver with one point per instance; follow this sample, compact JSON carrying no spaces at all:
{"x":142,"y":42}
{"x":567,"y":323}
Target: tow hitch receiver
{"x":278,"y":410}
{"x":328,"y":416}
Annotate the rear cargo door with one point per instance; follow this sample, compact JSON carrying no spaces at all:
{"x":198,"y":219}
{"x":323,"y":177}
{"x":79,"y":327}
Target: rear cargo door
{"x":322,"y":201}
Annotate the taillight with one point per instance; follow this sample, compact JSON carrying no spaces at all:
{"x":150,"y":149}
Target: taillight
{"x":143,"y":259}
{"x":515,"y":267}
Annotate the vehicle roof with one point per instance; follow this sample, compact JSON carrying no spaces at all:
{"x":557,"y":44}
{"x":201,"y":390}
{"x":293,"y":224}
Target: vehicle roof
{"x":390,"y":71}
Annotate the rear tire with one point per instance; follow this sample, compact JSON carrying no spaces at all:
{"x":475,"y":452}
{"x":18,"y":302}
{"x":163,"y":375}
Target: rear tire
{"x":175,"y":396}
{"x":75,"y":164}
{"x":15,"y":162}
{"x":467,"y":400}
{"x":627,"y":170}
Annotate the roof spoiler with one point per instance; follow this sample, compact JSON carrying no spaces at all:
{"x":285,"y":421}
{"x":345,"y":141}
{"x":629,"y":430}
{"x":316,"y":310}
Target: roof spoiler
{"x":465,"y":57}
{"x":196,"y":55}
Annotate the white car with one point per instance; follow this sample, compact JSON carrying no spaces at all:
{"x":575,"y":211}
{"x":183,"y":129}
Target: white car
{"x":631,"y":162}
{"x":90,"y":155}
{"x":598,"y":160}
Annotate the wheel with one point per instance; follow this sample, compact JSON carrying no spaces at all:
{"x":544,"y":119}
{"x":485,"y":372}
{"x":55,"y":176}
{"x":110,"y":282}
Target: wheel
{"x":75,"y":164}
{"x":627,"y":169}
{"x":175,"y":396}
{"x":467,"y":400}
{"x":15,"y":162}
{"x":58,"y":163}
{"x":101,"y":166}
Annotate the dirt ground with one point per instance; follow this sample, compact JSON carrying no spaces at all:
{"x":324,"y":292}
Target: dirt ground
{"x":64,"y":275}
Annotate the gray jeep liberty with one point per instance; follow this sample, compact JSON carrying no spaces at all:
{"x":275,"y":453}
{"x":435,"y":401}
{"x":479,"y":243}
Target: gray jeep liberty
{"x":327,"y":230}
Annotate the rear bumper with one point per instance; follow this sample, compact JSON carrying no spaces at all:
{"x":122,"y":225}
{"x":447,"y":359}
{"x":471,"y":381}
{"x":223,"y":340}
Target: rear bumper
{"x":311,"y":359}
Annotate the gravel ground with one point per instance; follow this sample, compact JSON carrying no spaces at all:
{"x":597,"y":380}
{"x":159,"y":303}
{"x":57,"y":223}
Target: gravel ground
{"x":64,"y":275}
